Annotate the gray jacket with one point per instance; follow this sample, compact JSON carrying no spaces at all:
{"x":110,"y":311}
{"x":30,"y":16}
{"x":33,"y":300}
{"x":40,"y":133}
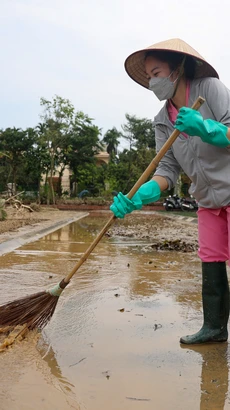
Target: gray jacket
{"x":206,"y":165}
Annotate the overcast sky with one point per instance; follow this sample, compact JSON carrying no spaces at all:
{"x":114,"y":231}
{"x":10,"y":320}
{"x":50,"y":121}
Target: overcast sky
{"x":77,"y":48}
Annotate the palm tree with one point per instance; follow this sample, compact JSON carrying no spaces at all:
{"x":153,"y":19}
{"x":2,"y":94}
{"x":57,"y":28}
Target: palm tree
{"x":111,"y":139}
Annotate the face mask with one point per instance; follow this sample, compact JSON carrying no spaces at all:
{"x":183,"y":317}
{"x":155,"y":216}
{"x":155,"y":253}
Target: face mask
{"x":162,"y":87}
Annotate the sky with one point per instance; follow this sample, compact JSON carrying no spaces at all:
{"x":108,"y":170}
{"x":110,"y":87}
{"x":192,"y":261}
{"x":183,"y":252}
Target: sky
{"x":76,"y":49}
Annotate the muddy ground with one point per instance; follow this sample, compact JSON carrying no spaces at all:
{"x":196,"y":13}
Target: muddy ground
{"x":22,"y":220}
{"x":26,"y":381}
{"x":164,"y":231}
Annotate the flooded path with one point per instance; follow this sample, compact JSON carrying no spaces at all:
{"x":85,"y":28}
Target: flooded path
{"x":113,"y":342}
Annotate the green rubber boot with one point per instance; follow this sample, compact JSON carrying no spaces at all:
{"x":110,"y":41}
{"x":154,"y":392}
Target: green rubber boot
{"x":215,"y":297}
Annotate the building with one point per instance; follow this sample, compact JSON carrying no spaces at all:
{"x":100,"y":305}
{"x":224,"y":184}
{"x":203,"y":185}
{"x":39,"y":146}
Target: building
{"x":101,"y":158}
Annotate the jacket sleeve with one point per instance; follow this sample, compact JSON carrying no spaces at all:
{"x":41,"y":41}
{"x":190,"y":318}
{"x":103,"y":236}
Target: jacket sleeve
{"x":217,"y":96}
{"x":168,"y":166}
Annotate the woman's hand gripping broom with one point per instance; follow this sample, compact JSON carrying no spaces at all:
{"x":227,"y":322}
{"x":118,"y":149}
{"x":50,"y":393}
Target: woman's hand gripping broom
{"x":36,"y":310}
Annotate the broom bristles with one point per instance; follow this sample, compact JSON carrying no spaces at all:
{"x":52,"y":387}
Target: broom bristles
{"x":35,"y":310}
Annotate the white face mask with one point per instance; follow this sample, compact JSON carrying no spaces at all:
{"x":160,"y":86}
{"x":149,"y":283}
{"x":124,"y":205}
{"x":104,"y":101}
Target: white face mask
{"x":162,"y":87}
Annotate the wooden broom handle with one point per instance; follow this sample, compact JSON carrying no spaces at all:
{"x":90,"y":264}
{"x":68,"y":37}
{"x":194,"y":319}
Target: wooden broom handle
{"x":151,"y":167}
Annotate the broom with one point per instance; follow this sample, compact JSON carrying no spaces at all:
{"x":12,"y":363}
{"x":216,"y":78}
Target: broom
{"x":36,"y":310}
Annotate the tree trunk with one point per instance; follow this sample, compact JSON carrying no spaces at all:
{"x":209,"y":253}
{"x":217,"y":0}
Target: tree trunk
{"x":47,"y":189}
{"x":60,"y":175}
{"x":51,"y":181}
{"x":14,"y":182}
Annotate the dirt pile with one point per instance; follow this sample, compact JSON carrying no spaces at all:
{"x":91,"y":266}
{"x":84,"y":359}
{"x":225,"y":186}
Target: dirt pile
{"x":161,"y":231}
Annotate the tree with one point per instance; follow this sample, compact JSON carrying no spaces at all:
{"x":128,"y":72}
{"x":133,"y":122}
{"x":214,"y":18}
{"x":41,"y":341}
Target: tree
{"x":139,"y":132}
{"x":111,"y":139}
{"x":123,"y":174}
{"x":36,"y":160}
{"x":55,"y":134}
{"x":15,"y":144}
{"x":85,"y":143}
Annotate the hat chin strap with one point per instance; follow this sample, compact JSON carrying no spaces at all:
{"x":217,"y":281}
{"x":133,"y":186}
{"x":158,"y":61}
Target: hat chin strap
{"x":179,"y":76}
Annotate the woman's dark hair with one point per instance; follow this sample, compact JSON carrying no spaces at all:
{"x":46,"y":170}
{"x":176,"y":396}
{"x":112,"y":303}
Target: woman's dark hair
{"x":174,"y":59}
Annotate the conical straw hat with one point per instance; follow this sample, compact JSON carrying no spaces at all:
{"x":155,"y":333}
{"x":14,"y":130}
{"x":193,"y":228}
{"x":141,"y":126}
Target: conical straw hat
{"x":135,"y":67}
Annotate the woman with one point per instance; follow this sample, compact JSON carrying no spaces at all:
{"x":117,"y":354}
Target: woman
{"x":175,"y":72}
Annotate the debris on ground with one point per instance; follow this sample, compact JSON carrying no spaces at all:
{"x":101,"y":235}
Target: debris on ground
{"x":161,"y":232}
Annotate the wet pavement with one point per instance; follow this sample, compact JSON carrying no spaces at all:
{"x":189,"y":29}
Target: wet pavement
{"x":113,"y":342}
{"x":30,"y":234}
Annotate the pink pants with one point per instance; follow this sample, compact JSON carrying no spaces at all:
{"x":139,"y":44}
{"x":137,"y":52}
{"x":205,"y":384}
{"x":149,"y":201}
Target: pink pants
{"x":214,"y":234}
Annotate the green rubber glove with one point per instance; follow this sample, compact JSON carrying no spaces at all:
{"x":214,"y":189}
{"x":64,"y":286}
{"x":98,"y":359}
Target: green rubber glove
{"x":210,"y":131}
{"x":147,"y":193}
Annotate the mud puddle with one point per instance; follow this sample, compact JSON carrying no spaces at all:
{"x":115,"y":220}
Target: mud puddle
{"x":113,"y":342}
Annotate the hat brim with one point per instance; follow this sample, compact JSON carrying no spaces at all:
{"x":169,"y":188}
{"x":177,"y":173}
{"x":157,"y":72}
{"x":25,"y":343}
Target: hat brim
{"x":135,"y":66}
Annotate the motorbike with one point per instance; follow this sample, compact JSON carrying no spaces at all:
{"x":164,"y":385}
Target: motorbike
{"x":189,"y":204}
{"x":172,"y":202}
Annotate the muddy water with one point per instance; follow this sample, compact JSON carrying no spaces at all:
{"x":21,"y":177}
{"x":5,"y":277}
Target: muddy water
{"x":113,"y":342}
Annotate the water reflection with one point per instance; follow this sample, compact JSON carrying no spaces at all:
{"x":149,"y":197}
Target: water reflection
{"x":214,"y":375}
{"x":48,"y":355}
{"x":139,"y":347}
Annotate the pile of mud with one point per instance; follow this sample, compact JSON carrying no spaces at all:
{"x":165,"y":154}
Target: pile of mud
{"x":162,"y":232}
